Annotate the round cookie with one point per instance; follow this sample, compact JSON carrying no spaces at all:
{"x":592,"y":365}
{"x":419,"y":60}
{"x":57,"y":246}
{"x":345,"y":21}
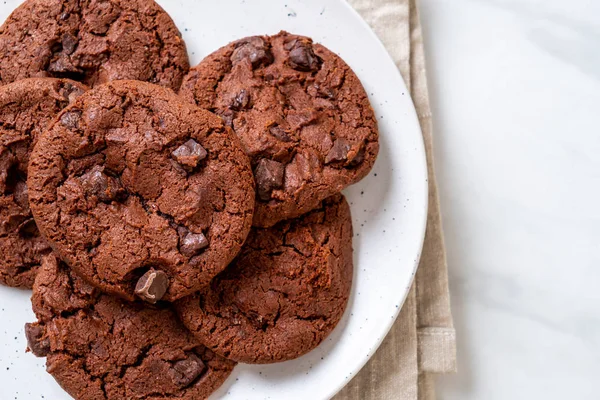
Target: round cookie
{"x":283,"y":294}
{"x":26,"y":108}
{"x":92,"y":41}
{"x":101,"y":348}
{"x":140,"y":192}
{"x":300,"y":112}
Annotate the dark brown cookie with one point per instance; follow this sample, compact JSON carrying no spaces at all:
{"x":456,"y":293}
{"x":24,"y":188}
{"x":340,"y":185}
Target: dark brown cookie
{"x":301,"y":113}
{"x":101,"y":348}
{"x":92,"y":41}
{"x":140,"y":192}
{"x":283,"y":294}
{"x":26,"y":108}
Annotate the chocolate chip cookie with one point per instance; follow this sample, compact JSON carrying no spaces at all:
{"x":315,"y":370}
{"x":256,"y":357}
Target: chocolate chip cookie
{"x":100,"y":347}
{"x":141,"y":193}
{"x":301,"y":113}
{"x":92,"y":41}
{"x":283,"y":294}
{"x":26,"y":108}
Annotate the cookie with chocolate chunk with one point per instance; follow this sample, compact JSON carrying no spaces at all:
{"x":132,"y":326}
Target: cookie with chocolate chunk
{"x":141,"y":193}
{"x":92,"y":42}
{"x":26,"y":108}
{"x":283,"y":294}
{"x":99,"y":347}
{"x":301,"y":113}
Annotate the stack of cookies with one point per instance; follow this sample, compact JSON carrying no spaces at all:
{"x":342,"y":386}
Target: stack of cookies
{"x":173,"y":222}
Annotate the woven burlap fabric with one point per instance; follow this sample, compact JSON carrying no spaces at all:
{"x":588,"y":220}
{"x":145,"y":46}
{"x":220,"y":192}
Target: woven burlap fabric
{"x":422,"y":341}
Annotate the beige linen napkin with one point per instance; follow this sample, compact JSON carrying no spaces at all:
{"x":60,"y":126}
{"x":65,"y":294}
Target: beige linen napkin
{"x":422,"y":341}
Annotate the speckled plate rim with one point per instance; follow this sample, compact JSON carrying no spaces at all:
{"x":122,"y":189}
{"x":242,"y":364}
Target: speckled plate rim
{"x":389,"y":207}
{"x":425,"y":193}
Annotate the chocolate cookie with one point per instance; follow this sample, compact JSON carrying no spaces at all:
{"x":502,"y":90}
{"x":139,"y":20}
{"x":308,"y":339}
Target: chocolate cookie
{"x":301,"y":113}
{"x":140,"y":192}
{"x":26,"y":108}
{"x":283,"y":294}
{"x":92,"y":41}
{"x":100,"y":347}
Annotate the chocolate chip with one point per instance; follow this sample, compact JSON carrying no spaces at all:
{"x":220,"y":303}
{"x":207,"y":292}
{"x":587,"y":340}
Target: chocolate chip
{"x":192,"y":243}
{"x":358,"y":158}
{"x":289,"y":44}
{"x":70,"y":92}
{"x":240,"y":101}
{"x":339,"y":151}
{"x":28,"y":229}
{"x":117,"y":136}
{"x":20,"y":194}
{"x":69,"y":43}
{"x":62,"y":64}
{"x":257,"y":320}
{"x":300,"y":119}
{"x":280,"y":134}
{"x":189,"y":154}
{"x":321,"y":91}
{"x":70,"y":119}
{"x":302,"y":57}
{"x":228,"y":116}
{"x":184,"y":372}
{"x":255,"y":50}
{"x":97,"y":183}
{"x":39,"y":346}
{"x":152,"y":286}
{"x":41,"y":246}
{"x":269,"y":176}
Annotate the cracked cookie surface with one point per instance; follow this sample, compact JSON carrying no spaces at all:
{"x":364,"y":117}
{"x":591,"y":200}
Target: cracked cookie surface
{"x":301,"y":114}
{"x":101,"y":348}
{"x":140,"y":192}
{"x":92,"y":41}
{"x":26,"y":108}
{"x":283,"y":294}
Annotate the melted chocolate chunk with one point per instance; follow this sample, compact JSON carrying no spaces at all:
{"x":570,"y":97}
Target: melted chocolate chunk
{"x":62,"y":65}
{"x":184,"y":372}
{"x":152,"y":286}
{"x":70,"y":119}
{"x":255,"y":49}
{"x":36,"y":342}
{"x":280,"y":134}
{"x":302,"y":57}
{"x":20,"y":194}
{"x":228,"y":116}
{"x":358,"y":157}
{"x":339,"y":151}
{"x":241,"y":101}
{"x":269,"y":176}
{"x":97,"y":183}
{"x":69,"y":43}
{"x":192,"y":243}
{"x":190,"y":154}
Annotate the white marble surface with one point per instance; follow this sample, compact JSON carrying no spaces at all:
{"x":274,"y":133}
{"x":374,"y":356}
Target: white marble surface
{"x":515,"y":86}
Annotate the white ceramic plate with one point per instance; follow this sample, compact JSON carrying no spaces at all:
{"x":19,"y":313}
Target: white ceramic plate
{"x":389,"y":207}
